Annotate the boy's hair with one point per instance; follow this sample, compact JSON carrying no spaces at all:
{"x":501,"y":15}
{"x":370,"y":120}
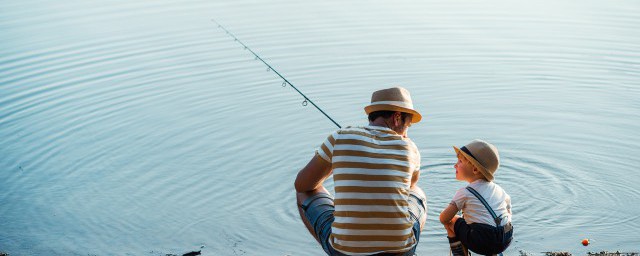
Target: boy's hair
{"x":463,"y":158}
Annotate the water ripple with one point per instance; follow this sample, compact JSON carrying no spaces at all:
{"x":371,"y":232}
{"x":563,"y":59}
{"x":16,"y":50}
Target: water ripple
{"x":143,"y":127}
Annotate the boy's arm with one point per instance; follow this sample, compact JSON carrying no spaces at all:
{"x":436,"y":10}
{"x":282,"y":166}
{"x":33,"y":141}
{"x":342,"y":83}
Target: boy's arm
{"x":312,"y":175}
{"x":448,"y":214}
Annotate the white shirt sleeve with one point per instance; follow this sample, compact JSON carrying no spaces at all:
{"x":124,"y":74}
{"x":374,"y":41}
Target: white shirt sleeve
{"x":460,"y":198}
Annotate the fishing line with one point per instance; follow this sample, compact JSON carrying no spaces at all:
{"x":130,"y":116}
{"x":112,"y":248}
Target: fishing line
{"x":285,"y":82}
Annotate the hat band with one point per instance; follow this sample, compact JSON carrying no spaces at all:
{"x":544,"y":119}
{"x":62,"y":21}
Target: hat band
{"x":396,"y":103}
{"x":464,"y":149}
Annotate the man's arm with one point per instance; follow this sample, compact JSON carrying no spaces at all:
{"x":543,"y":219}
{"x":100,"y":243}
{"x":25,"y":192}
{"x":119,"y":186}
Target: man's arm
{"x":414,"y":178}
{"x":312,"y":175}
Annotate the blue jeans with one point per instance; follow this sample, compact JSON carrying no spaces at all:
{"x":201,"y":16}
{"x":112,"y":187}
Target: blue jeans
{"x":319,"y":210}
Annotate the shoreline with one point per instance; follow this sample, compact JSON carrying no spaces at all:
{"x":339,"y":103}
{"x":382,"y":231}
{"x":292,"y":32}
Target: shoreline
{"x":522,"y":253}
{"x":602,"y":253}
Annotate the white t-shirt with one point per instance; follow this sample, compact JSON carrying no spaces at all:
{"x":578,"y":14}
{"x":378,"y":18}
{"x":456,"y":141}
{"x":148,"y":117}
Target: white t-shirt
{"x":473,"y":209}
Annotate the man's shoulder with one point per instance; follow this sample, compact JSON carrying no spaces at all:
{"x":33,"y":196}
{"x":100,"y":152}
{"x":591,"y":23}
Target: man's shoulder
{"x":368,"y":131}
{"x":352,"y":128}
{"x":410,"y":142}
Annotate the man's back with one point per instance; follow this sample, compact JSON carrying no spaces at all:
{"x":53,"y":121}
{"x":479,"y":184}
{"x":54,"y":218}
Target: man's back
{"x":372,"y":170}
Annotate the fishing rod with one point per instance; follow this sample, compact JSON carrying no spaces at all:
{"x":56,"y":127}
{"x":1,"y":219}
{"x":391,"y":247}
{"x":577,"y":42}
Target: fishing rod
{"x":269,"y":68}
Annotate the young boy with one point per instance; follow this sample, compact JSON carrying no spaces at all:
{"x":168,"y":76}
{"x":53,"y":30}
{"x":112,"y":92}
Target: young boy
{"x":485,"y":227}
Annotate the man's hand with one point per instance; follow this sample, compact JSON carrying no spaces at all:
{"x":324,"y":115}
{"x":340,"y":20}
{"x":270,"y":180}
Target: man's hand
{"x":312,"y":175}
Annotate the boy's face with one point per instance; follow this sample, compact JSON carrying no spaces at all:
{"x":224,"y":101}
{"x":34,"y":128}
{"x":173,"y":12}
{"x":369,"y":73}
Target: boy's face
{"x":464,"y":169}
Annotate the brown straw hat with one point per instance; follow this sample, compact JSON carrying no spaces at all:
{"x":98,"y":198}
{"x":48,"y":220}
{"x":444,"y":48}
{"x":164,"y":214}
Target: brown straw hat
{"x":482,"y":155}
{"x":393,"y":99}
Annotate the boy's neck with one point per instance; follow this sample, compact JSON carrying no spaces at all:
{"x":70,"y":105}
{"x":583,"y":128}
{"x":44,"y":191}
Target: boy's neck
{"x":474,"y":179}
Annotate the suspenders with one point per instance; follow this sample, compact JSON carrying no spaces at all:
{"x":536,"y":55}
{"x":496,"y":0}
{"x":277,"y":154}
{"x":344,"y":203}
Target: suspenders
{"x":486,"y":205}
{"x":505,"y":230}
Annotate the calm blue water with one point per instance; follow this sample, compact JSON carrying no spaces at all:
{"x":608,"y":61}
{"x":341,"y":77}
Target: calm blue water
{"x":140,"y":128}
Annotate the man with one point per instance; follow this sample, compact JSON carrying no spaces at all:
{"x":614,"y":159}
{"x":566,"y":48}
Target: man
{"x":378,"y":209}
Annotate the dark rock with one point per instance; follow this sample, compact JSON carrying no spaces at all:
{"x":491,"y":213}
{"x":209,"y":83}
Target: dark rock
{"x":194,"y":253}
{"x":557,"y":254}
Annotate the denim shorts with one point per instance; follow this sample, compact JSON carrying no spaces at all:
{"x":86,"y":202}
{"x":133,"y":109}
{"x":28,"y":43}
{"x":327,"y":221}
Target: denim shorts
{"x":319,"y":210}
{"x":483,"y":239}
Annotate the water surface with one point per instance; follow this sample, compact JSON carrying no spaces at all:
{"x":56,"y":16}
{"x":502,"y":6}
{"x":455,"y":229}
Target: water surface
{"x":140,"y":128}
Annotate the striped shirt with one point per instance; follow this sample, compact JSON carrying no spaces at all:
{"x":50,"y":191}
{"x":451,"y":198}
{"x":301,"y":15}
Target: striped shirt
{"x":372,"y":169}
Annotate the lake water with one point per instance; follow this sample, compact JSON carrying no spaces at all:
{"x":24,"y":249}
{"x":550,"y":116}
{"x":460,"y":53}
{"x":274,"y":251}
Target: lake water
{"x":141,"y":128}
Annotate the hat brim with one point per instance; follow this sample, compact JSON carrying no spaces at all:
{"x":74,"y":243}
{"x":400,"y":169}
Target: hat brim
{"x":416,"y":117}
{"x":475,"y":163}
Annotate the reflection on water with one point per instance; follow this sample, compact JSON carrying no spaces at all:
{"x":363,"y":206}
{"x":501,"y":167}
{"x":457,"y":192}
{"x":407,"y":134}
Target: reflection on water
{"x":141,"y":128}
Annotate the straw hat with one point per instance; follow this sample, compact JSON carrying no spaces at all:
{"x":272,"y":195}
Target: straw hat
{"x":393,"y":99}
{"x":482,"y":155}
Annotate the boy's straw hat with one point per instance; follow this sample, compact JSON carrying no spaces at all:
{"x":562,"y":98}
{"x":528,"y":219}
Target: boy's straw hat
{"x":482,"y":155}
{"x":393,"y":99}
